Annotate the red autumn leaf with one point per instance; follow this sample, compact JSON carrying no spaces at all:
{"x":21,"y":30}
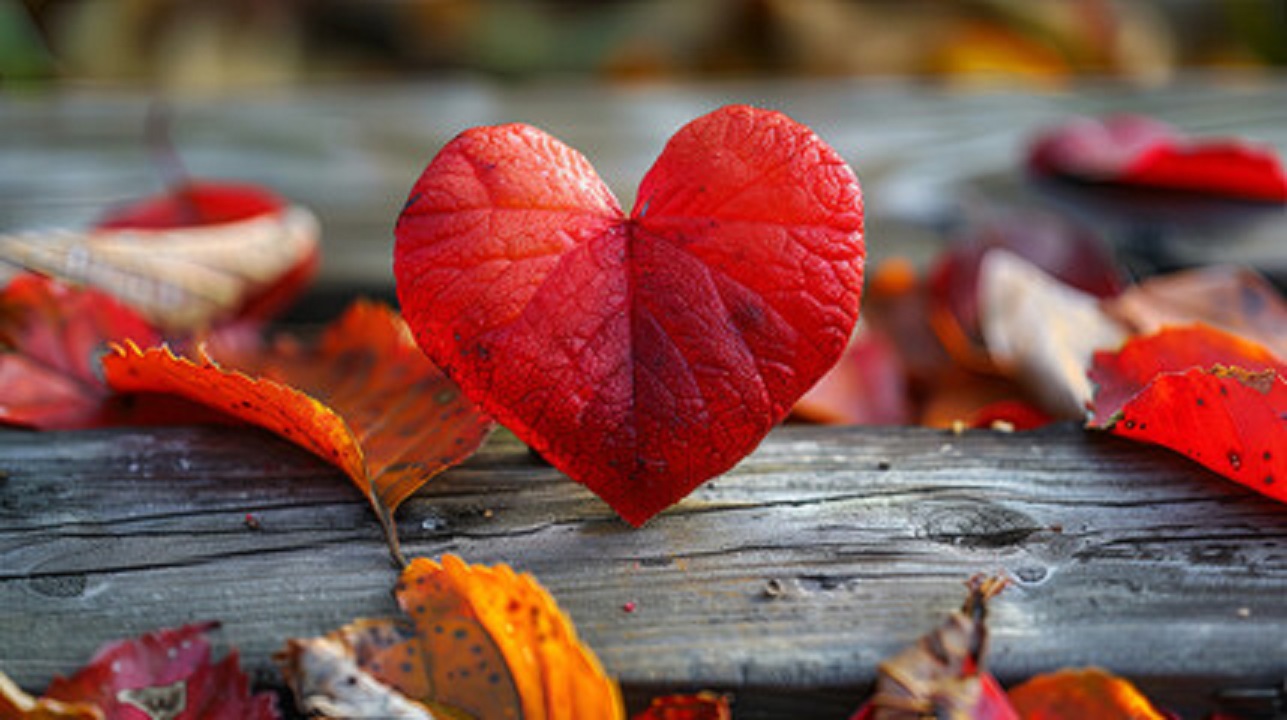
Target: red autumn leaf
{"x":194,"y":204}
{"x":205,"y":253}
{"x":942,"y":675}
{"x":1121,"y":375}
{"x":640,"y":355}
{"x":51,"y":337}
{"x":365,"y":399}
{"x":1231,"y":420}
{"x":167,"y":674}
{"x":484,"y":642}
{"x":1080,"y":694}
{"x":1009,"y":414}
{"x":700,"y":706}
{"x":1140,"y":151}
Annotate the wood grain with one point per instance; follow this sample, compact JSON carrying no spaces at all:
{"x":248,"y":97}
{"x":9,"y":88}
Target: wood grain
{"x":785,"y":581}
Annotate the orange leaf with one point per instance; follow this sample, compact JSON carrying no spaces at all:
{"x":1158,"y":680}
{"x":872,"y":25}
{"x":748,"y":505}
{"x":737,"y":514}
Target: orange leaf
{"x":1078,"y":694}
{"x":364,"y":399}
{"x":702,"y":706}
{"x":485,"y":643}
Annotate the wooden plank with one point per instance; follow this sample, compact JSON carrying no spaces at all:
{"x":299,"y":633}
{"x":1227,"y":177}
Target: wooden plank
{"x":1123,"y":556}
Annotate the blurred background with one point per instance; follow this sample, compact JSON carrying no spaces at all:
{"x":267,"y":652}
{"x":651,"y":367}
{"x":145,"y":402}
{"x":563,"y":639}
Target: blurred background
{"x":339,"y":104}
{"x":204,"y":44}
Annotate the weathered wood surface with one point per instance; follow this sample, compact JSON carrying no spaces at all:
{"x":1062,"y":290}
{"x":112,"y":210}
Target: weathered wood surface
{"x":1123,"y":556}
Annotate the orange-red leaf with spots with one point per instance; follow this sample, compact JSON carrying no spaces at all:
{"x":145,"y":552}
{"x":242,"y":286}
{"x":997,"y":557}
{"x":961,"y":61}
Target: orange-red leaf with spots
{"x":364,"y":398}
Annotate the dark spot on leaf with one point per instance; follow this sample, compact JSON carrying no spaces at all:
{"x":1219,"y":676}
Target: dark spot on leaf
{"x":476,"y":649}
{"x":494,"y":678}
{"x":1130,"y":424}
{"x":460,"y":634}
{"x":406,"y":667}
{"x":437,"y":629}
{"x":1267,"y":456}
{"x":1201,"y":402}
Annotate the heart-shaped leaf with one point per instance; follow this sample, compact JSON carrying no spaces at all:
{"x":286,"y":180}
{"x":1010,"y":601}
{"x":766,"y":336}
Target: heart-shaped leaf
{"x":364,"y":399}
{"x":640,"y":355}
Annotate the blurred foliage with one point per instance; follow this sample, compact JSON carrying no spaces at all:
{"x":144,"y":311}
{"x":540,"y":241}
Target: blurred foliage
{"x":219,"y":43}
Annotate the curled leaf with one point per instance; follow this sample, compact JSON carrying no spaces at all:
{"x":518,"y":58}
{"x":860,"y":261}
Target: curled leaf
{"x":942,"y":674}
{"x":327,"y":681}
{"x":207,"y":252}
{"x":364,"y":399}
{"x":484,"y":643}
{"x":1082,"y":693}
{"x":1067,"y":253}
{"x":1044,"y":331}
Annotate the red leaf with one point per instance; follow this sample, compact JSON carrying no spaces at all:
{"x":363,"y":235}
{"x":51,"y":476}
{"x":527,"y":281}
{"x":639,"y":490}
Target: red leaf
{"x":165,"y":674}
{"x":52,"y":336}
{"x":700,"y":706}
{"x":1121,"y":375}
{"x":1134,"y":150}
{"x":194,"y":204}
{"x":639,"y":355}
{"x":1231,"y":420}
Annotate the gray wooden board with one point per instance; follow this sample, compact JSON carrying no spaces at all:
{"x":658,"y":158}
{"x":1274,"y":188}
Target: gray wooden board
{"x":1123,"y":556}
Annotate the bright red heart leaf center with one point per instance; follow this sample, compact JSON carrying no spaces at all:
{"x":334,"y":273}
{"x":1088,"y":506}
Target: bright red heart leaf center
{"x":640,"y":355}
